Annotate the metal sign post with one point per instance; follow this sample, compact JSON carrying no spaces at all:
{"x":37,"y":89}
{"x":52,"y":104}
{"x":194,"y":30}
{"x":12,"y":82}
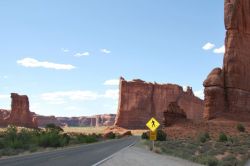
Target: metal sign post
{"x":153,"y":124}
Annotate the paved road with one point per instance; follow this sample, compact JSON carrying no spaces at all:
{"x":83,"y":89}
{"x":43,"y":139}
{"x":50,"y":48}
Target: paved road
{"x":84,"y":155}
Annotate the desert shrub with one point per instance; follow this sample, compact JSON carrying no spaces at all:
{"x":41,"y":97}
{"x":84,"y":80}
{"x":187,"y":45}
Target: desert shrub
{"x":10,"y":133}
{"x":203,"y":137}
{"x":52,"y":127}
{"x":66,"y":138}
{"x":82,"y":138}
{"x":212,"y":162}
{"x":11,"y":138}
{"x":126,"y":133}
{"x":229,"y":161}
{"x":240,"y":127}
{"x":51,"y":138}
{"x":223,"y":137}
{"x":90,"y":139}
{"x":161,"y":135}
{"x":207,"y":160}
{"x":144,"y":135}
{"x":110,"y":135}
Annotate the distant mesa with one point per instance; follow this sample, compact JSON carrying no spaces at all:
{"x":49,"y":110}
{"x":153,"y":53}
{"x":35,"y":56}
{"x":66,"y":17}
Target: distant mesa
{"x":89,"y":121}
{"x":20,"y":115}
{"x":139,"y":101}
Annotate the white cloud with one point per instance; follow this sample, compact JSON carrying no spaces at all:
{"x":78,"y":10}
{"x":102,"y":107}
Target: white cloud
{"x":62,"y":97}
{"x":220,"y":50}
{"x":112,"y":94}
{"x":82,"y":54}
{"x":199,"y":94}
{"x":112,"y":82}
{"x":105,"y":51}
{"x":30,"y":62}
{"x":208,"y":46}
{"x":4,"y":96}
{"x":72,"y":108}
{"x":71,"y":95}
{"x":184,"y":88}
{"x":35,"y":107}
{"x":64,"y":50}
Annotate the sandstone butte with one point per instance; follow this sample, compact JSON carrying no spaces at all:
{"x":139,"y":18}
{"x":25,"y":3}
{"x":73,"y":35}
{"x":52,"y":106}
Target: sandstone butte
{"x":20,"y":114}
{"x":228,"y":89}
{"x":139,"y":101}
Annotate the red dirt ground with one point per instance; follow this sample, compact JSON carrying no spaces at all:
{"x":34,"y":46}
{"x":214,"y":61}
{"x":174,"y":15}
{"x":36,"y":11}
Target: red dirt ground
{"x":183,"y":129}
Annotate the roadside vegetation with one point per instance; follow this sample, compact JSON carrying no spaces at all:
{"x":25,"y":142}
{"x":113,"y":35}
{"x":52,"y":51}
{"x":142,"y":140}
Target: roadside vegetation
{"x":15,"y":140}
{"x":225,"y":150}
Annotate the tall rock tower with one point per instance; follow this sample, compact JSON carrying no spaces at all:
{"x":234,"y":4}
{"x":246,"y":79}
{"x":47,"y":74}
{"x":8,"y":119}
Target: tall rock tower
{"x":228,"y":89}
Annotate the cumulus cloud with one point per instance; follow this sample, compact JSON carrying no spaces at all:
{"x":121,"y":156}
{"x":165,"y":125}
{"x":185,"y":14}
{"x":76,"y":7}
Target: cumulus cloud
{"x":199,"y":94}
{"x":220,"y":50}
{"x":82,"y":54}
{"x":33,"y":63}
{"x":61,"y":97}
{"x":111,"y":93}
{"x":71,"y":95}
{"x":105,"y":51}
{"x":64,"y":50}
{"x":184,"y":88}
{"x":4,"y":96}
{"x":208,"y":46}
{"x":112,"y":82}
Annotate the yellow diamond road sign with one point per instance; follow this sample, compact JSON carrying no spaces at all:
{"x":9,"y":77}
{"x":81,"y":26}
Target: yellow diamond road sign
{"x":153,"y":124}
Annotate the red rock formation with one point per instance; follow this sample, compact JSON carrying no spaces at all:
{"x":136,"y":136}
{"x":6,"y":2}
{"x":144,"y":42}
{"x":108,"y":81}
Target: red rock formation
{"x":42,"y":121}
{"x":139,"y":101}
{"x":20,"y":114}
{"x":93,"y":121}
{"x":3,"y":114}
{"x":228,"y":89}
{"x":173,"y":113}
{"x":214,"y":94}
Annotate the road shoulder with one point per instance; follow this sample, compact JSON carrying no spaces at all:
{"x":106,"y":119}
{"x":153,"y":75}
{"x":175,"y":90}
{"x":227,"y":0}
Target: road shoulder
{"x":142,"y":157}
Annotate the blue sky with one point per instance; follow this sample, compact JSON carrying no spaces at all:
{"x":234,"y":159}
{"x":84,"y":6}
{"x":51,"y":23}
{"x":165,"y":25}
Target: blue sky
{"x":67,"y":55}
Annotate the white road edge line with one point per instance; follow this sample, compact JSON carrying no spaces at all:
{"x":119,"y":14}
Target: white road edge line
{"x":109,"y":157}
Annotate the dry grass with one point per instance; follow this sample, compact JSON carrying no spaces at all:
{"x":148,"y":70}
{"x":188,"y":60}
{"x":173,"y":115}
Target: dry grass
{"x":2,"y":129}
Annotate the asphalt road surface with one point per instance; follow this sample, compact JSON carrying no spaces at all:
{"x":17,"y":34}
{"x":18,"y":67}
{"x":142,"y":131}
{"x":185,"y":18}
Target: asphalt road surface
{"x":84,"y":155}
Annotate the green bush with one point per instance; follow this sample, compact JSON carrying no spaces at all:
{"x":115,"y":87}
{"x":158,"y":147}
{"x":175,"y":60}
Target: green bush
{"x":110,"y":135}
{"x":82,"y":138}
{"x":203,"y":137}
{"x":90,"y":139}
{"x":207,"y":160}
{"x":52,"y":127}
{"x":51,"y":138}
{"x":144,"y":135}
{"x":161,"y":135}
{"x":240,"y":127}
{"x":223,"y":137}
{"x":212,"y":162}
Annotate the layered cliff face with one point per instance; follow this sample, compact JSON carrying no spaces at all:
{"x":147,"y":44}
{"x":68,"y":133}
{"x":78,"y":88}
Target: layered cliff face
{"x":20,"y":114}
{"x":139,"y":101}
{"x":89,"y":121}
{"x":42,"y":121}
{"x":3,"y":115}
{"x":228,"y":89}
